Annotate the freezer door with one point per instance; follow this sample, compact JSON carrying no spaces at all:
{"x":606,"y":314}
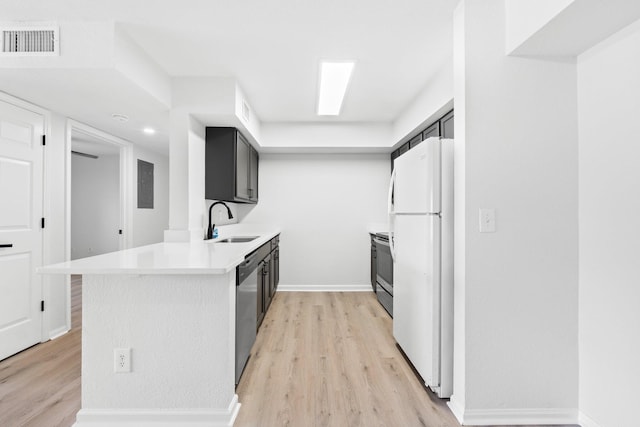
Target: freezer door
{"x":416,"y":293}
{"x":417,"y":179}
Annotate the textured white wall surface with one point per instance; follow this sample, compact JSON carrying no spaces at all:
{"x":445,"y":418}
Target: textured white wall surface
{"x":181,"y":333}
{"x":324,"y":204}
{"x":521,"y":284}
{"x":608,"y":94}
{"x":95,"y":205}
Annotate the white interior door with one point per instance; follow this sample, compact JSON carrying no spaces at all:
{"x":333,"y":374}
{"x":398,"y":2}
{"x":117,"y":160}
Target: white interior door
{"x":20,"y":229}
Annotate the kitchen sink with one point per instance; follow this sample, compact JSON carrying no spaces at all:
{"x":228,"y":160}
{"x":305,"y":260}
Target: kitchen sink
{"x":242,"y":239}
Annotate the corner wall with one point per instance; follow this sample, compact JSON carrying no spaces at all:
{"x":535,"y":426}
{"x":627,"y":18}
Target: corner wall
{"x":324,"y":204}
{"x":608,"y":93}
{"x":520,"y":313}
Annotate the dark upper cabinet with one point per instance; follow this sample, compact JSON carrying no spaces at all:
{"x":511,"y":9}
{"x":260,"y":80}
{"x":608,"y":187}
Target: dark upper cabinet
{"x":397,"y":153}
{"x":231,"y":166}
{"x":253,"y":175}
{"x":442,"y":128}
{"x":447,"y":125}
{"x":394,"y":156}
{"x":433,"y":130}
{"x":415,"y":141}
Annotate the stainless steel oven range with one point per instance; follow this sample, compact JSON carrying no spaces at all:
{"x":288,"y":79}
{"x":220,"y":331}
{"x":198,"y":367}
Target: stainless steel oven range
{"x":384,"y":271}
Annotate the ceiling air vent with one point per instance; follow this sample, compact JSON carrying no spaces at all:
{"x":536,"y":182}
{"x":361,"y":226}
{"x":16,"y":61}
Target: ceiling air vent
{"x":30,"y":41}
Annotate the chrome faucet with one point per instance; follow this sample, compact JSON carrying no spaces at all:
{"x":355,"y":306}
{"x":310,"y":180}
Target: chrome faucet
{"x":213,"y":226}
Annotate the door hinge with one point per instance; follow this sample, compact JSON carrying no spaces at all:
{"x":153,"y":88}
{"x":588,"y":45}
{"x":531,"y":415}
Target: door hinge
{"x":42,"y":305}
{"x":44,"y":139}
{"x":42,"y":223}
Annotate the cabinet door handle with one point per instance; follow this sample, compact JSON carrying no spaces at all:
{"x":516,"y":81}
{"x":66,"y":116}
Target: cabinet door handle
{"x":6,"y":245}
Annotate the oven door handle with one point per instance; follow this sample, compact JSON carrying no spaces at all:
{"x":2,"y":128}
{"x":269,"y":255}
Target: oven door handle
{"x":381,"y":242}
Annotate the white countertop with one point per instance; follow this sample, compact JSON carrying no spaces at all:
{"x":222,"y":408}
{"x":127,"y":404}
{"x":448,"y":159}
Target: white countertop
{"x":198,"y":257}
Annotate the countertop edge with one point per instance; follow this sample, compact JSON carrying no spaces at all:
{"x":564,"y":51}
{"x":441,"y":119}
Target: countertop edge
{"x":265,"y":235}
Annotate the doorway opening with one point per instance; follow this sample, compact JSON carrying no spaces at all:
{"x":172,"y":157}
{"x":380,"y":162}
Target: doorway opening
{"x":95,"y":196}
{"x":98,"y":196}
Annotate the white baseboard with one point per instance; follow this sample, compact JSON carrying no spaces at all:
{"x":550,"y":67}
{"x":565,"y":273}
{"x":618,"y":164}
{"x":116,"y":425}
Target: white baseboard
{"x":56,"y":333}
{"x":324,"y":288}
{"x":491,"y":417}
{"x":586,"y":421}
{"x":158,"y":417}
{"x":457,"y":408}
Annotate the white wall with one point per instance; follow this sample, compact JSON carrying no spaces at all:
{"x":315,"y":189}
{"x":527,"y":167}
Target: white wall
{"x":149,"y":224}
{"x":429,"y":105}
{"x":95,"y":205}
{"x":459,"y":211}
{"x":521,"y":287}
{"x":324,"y":204}
{"x":608,"y":93}
{"x":526,"y":17}
{"x":340,"y":137}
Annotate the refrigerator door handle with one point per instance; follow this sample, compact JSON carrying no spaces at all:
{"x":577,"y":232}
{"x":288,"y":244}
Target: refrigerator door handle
{"x":390,"y":211}
{"x":392,"y":183}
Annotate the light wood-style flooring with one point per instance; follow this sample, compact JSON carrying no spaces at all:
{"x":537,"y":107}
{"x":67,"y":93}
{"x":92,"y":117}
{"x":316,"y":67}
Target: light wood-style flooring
{"x":320,"y":359}
{"x":329,"y":359}
{"x":40,"y":387}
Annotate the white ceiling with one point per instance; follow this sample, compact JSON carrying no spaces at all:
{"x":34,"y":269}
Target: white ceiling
{"x":272,"y":47}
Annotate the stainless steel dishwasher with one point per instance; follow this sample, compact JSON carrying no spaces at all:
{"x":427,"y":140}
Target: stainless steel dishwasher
{"x":246,"y":317}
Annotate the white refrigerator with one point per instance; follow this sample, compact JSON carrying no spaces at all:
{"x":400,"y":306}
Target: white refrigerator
{"x":421,"y":242}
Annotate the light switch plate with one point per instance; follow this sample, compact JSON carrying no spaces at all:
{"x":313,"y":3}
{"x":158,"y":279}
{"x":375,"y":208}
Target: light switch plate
{"x":487,"y":219}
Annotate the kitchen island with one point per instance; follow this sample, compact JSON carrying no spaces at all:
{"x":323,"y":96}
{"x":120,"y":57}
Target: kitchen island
{"x":173,"y":305}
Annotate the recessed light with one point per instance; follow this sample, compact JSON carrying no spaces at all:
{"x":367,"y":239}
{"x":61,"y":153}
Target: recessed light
{"x":334,"y":79}
{"x":120,"y":117}
{"x":149,"y":131}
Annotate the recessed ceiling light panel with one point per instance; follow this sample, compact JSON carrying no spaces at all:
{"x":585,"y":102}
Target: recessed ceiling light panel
{"x":149,"y":131}
{"x":334,"y":79}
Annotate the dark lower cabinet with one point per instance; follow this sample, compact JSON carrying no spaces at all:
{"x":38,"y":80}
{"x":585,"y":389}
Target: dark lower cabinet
{"x":275,"y":270}
{"x":266,"y":283}
{"x":268,"y":276}
{"x":373,"y":263}
{"x":260,"y":299}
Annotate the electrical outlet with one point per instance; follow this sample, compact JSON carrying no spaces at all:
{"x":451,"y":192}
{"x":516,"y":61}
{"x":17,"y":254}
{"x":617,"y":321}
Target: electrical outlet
{"x":122,"y":360}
